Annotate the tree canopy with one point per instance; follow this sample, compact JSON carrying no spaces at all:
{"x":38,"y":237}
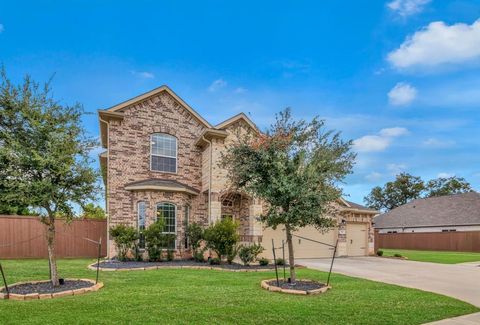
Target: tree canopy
{"x":406,"y":188}
{"x":296,"y":167}
{"x":44,"y":155}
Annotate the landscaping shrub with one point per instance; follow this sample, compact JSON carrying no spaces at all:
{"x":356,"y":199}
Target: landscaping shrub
{"x":280,"y":261}
{"x":249,"y":254}
{"x":198,"y":256}
{"x":194,"y":235}
{"x":215,"y":261}
{"x":170,"y":255}
{"x":232,"y":254}
{"x":124,"y":238}
{"x":397,"y":255}
{"x":222,"y":237}
{"x":156,"y":241}
{"x":379,"y":252}
{"x":264,"y":261}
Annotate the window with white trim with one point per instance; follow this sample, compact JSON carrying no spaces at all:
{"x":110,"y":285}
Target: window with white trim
{"x":163,"y":153}
{"x":167,"y":212}
{"x":141,"y":214}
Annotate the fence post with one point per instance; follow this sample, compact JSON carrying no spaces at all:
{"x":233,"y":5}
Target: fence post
{"x":4,"y":280}
{"x":275,"y":263}
{"x":98,"y":258}
{"x":333,"y":259}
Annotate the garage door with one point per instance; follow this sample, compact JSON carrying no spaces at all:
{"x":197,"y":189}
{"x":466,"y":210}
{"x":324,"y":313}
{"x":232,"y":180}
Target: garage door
{"x":356,"y":239}
{"x":301,"y":247}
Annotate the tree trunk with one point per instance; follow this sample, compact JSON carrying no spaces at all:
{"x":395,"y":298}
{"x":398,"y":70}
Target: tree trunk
{"x":291,"y":258}
{"x":51,"y":251}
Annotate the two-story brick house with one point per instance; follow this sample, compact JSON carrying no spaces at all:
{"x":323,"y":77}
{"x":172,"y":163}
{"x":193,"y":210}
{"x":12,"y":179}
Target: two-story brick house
{"x":162,"y":156}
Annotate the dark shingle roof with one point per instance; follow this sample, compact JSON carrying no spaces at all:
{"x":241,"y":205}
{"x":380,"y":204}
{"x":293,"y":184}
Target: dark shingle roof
{"x":448,"y":210}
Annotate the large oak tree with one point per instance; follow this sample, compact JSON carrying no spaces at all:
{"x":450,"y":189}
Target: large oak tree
{"x":44,"y":156}
{"x":295,"y":167}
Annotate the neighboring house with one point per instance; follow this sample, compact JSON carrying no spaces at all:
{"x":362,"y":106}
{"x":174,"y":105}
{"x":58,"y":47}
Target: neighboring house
{"x":458,"y":212}
{"x":162,"y":159}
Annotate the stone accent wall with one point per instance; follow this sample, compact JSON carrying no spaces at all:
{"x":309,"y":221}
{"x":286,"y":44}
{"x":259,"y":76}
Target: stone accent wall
{"x":129,"y":158}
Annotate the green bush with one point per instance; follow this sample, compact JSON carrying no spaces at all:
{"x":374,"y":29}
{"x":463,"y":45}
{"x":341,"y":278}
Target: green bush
{"x":198,"y":256}
{"x":379,"y":252}
{"x":232,"y":254}
{"x":124,"y":237}
{"x":397,"y":255}
{"x":249,"y":254}
{"x":170,"y":255}
{"x":264,"y":261}
{"x":215,"y":261}
{"x":156,"y":240}
{"x":222,"y":237}
{"x":280,"y":261}
{"x":195,"y":236}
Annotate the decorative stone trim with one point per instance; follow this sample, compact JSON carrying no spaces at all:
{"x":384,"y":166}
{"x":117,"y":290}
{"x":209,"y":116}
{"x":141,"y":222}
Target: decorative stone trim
{"x":35,"y":296}
{"x":174,"y":267}
{"x":268,"y":287}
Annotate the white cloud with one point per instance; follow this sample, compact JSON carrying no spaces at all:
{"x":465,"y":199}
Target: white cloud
{"x":407,"y":7}
{"x":402,"y":94}
{"x":2,"y":28}
{"x":373,"y":176}
{"x":437,"y":143}
{"x":445,"y":175}
{"x":393,"y":132}
{"x":240,"y":90}
{"x":143,"y":74}
{"x":396,"y":169}
{"x":380,"y":142}
{"x":217,"y":84}
{"x":438,"y":44}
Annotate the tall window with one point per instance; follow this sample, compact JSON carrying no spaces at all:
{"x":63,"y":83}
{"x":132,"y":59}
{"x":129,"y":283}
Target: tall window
{"x":141,"y":214}
{"x":167,"y":212}
{"x":186,"y":216}
{"x":164,"y":153}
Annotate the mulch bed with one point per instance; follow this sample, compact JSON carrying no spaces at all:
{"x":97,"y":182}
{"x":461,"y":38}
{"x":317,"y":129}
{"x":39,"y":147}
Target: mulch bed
{"x":115,"y":264}
{"x":46,"y":287}
{"x":305,"y":285}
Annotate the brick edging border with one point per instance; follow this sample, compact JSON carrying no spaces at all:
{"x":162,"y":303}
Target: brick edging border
{"x":268,"y":287}
{"x":34,"y":296}
{"x":160,"y":267}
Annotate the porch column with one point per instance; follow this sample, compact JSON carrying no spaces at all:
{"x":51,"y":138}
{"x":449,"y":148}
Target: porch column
{"x":342,"y":237}
{"x":255,"y":210}
{"x":216,"y":208}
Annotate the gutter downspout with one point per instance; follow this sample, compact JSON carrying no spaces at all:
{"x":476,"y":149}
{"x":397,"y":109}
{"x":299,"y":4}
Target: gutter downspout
{"x":106,"y":186}
{"x":209,"y":181}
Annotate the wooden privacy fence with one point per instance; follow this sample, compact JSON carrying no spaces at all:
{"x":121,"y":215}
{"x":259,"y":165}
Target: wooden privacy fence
{"x":24,"y":237}
{"x":460,"y":241}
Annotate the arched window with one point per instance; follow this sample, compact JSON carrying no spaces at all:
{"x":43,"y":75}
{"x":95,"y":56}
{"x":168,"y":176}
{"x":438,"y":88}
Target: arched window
{"x":163,"y":153}
{"x":168,"y":213}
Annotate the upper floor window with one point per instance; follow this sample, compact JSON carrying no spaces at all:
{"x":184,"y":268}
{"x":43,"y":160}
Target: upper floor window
{"x":164,"y":153}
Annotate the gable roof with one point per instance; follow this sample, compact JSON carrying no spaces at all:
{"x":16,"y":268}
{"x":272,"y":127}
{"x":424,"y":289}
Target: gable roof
{"x":448,"y":210}
{"x":355,"y":207}
{"x":161,"y":185}
{"x":233,"y":119}
{"x":155,"y":92}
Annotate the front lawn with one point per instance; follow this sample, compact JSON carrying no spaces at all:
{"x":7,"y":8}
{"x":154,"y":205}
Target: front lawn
{"x":434,"y":256}
{"x":207,"y":296}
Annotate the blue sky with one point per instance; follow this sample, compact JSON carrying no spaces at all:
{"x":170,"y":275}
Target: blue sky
{"x":400,"y":77}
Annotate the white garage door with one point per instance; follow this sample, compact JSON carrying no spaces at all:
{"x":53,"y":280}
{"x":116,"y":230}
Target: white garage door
{"x":356,"y":239}
{"x":301,"y":247}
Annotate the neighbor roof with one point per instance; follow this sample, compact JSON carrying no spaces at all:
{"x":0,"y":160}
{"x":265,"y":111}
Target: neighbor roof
{"x":449,"y":210}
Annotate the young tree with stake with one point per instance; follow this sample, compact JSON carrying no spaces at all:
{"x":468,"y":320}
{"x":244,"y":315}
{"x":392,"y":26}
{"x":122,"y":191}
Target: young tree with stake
{"x":295,"y":167}
{"x":44,"y":156}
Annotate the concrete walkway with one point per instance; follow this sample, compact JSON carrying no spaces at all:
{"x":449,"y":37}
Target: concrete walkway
{"x":461,"y":281}
{"x":462,"y":320}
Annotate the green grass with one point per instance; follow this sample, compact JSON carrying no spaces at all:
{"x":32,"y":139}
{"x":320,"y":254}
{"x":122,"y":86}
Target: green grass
{"x":434,"y":256}
{"x":206,"y":296}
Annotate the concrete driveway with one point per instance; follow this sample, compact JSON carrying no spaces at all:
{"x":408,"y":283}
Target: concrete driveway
{"x":461,"y":281}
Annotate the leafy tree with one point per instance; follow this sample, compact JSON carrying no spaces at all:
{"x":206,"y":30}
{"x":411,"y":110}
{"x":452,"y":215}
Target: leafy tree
{"x":448,"y":185}
{"x":222,"y":237}
{"x":44,"y":156}
{"x":295,"y":168}
{"x":92,"y":211}
{"x":14,"y":209}
{"x":402,"y":190}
